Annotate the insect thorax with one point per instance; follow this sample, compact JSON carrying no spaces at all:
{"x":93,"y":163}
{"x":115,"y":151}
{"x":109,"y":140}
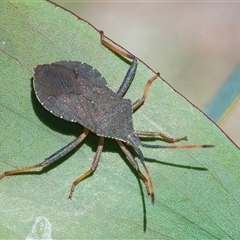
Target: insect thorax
{"x":116,"y":121}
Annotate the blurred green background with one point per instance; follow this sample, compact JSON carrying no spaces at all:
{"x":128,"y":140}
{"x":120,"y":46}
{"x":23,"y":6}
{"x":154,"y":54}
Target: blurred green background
{"x":194,"y":45}
{"x":197,"y":192}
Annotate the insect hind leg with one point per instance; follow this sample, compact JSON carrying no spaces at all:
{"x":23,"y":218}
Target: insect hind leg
{"x":54,"y":157}
{"x":114,"y":48}
{"x":92,"y":169}
{"x":130,"y":74}
{"x":132,"y":69}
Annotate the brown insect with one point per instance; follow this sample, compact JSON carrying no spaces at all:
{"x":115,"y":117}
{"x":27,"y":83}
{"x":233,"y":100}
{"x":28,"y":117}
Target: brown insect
{"x":77,"y":92}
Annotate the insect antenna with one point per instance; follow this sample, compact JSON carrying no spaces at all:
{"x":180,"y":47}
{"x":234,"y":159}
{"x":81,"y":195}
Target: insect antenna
{"x":147,"y":172}
{"x":178,"y":146}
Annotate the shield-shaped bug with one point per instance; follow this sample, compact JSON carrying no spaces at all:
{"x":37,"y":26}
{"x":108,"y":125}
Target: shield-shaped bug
{"x":77,"y":92}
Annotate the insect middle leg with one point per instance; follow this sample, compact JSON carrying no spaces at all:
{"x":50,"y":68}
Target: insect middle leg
{"x":141,"y":100}
{"x":93,"y":167}
{"x":138,"y":104}
{"x":54,"y":157}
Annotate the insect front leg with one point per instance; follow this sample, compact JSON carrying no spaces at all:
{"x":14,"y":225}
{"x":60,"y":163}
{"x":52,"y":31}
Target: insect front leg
{"x":158,"y":134}
{"x":133,"y":162}
{"x":54,"y":157}
{"x":93,"y":167}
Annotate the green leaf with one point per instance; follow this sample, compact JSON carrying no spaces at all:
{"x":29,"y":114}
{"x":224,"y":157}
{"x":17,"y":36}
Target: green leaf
{"x":196,"y":191}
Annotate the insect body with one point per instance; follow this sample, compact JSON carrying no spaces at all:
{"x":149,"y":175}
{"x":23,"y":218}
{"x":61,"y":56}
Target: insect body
{"x":77,"y":92}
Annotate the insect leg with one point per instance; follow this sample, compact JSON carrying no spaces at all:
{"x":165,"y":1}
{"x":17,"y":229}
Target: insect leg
{"x":167,"y":139}
{"x":138,"y":103}
{"x":141,"y":100}
{"x":93,"y":167}
{"x":114,"y":48}
{"x":133,"y":162}
{"x":157,"y":134}
{"x":54,"y":157}
{"x":132,"y":69}
{"x":128,"y":78}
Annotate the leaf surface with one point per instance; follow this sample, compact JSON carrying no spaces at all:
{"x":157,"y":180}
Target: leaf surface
{"x":196,"y":191}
